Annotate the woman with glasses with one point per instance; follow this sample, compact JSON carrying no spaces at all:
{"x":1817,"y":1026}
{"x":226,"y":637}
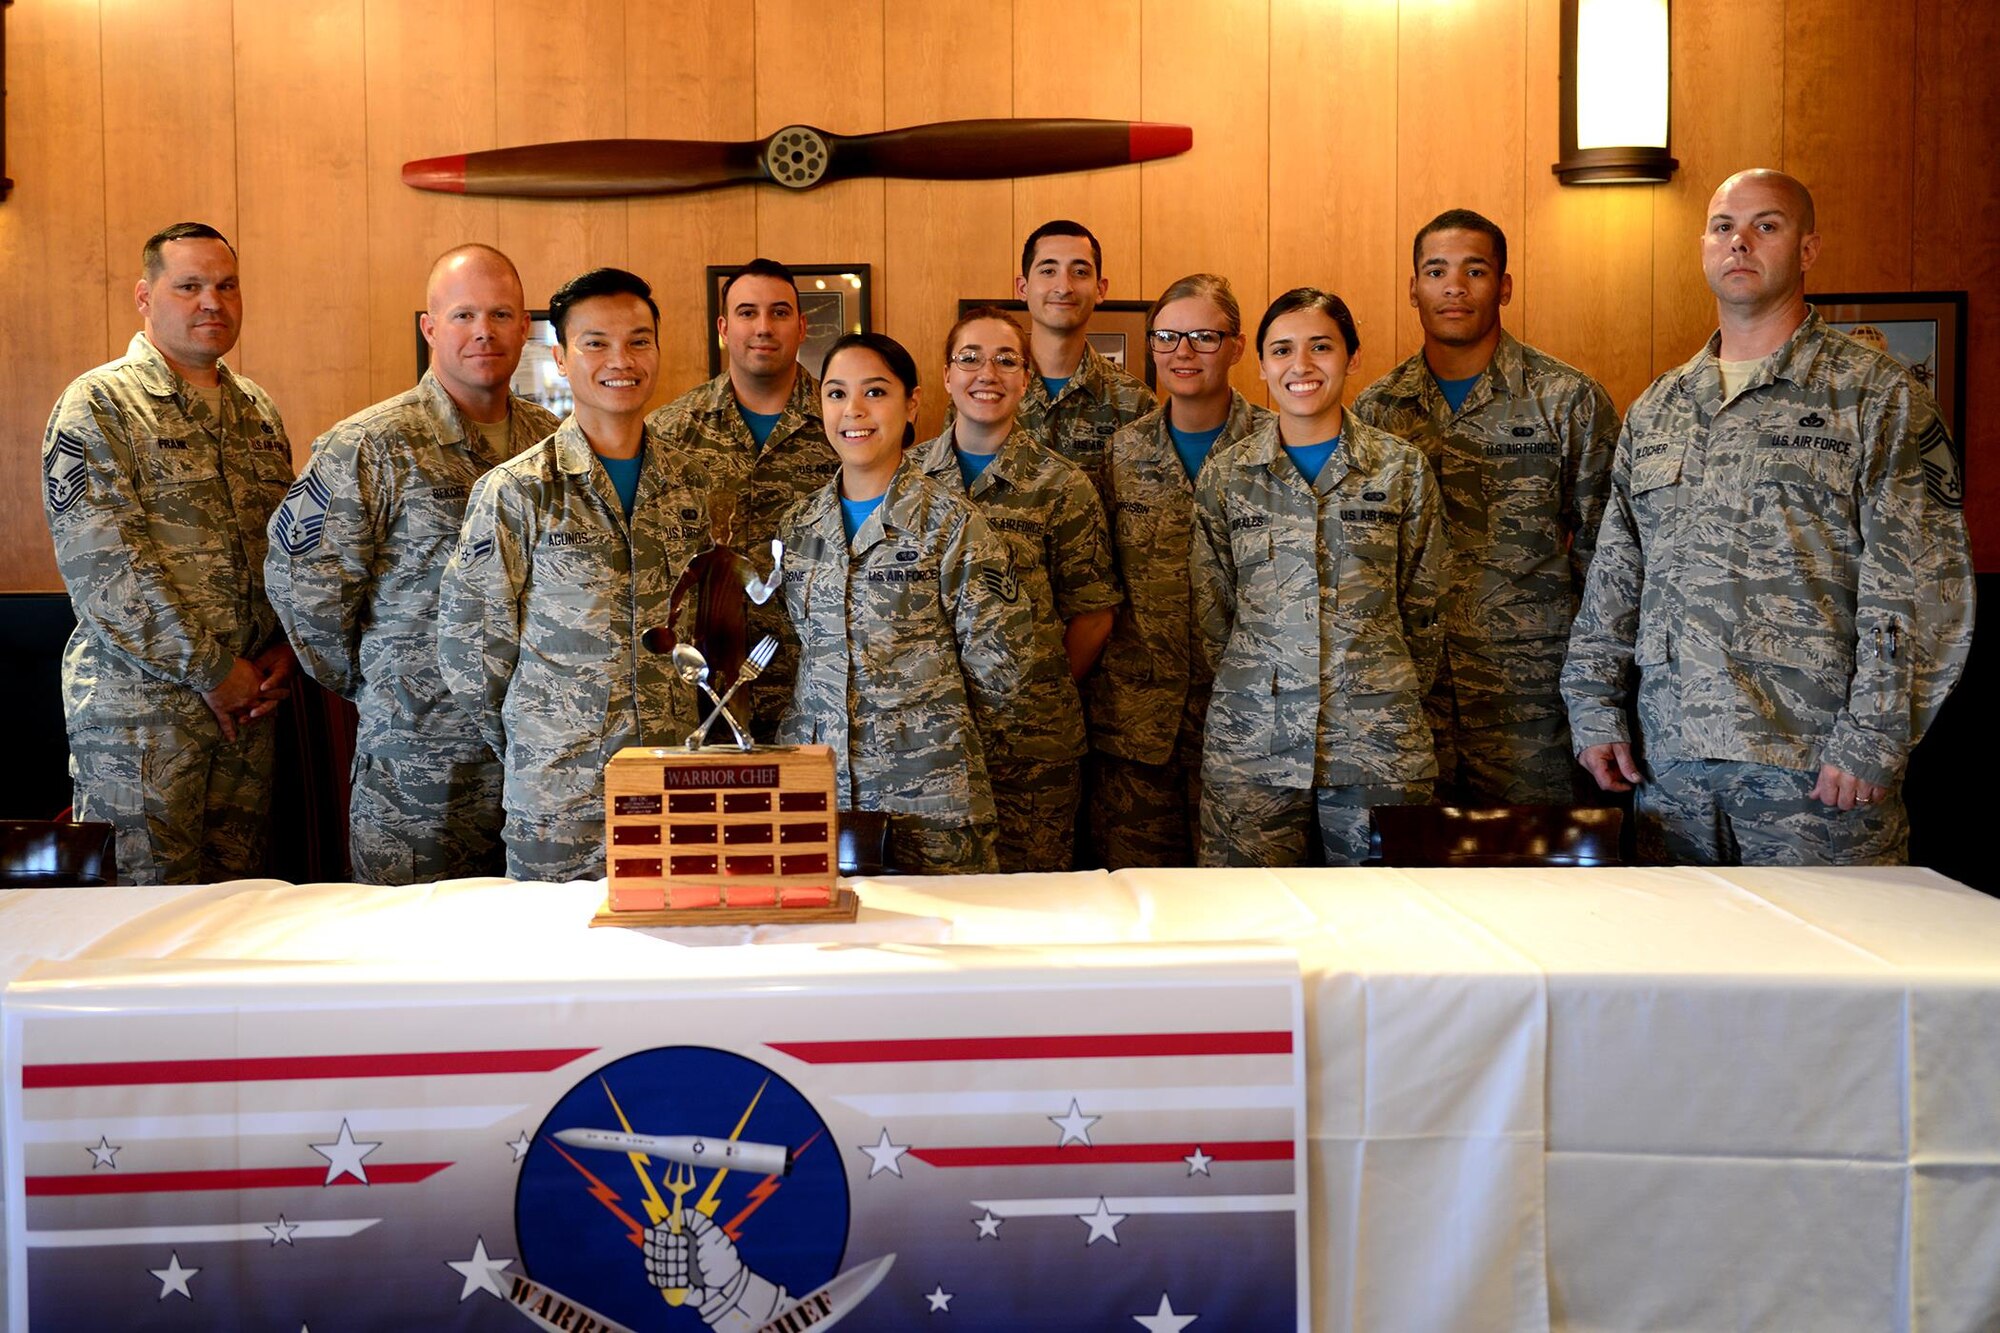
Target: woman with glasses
{"x":909,"y":619}
{"x":1149,"y":695}
{"x":1318,"y":550}
{"x":1053,"y":523}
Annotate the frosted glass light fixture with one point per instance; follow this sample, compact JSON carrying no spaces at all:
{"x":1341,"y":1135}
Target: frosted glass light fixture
{"x":1614,"y":93}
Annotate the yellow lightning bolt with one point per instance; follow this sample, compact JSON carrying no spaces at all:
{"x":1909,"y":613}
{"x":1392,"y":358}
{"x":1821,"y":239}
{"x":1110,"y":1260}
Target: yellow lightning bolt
{"x":656,"y":1207}
{"x":708,"y":1202}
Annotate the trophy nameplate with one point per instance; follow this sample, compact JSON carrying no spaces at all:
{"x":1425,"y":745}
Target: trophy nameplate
{"x":721,"y":836}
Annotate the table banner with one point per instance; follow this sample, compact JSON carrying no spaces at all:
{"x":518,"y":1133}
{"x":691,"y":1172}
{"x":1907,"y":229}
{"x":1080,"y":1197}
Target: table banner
{"x":1054,"y":1141}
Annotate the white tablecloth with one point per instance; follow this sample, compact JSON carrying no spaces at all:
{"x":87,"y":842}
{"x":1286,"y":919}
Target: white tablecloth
{"x":1612,"y":1099}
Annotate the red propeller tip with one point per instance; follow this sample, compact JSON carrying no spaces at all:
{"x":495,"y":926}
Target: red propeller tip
{"x":446,"y":174}
{"x":1150,"y":139}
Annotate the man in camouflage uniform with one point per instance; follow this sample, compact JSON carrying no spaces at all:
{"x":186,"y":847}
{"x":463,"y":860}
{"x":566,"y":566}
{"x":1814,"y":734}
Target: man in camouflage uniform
{"x":1076,"y":399}
{"x":755,"y":429}
{"x":1316,"y":609}
{"x":911,"y":663}
{"x":356,"y":554}
{"x":160,"y":470}
{"x":555,"y":578}
{"x":1521,"y":444}
{"x":1781,"y":588}
{"x":1044,"y":508}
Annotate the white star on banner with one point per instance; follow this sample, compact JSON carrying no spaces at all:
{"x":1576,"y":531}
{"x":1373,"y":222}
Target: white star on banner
{"x":940,"y":1299}
{"x":1197,"y":1161}
{"x":480,"y":1273}
{"x":884,"y":1155}
{"x":1103,"y":1223}
{"x":343,"y":1156}
{"x":281,"y":1231}
{"x":988,"y":1225}
{"x":1164,"y":1320}
{"x":1075,"y":1126}
{"x":521,"y":1145}
{"x":174,"y":1278}
{"x":105,"y":1153}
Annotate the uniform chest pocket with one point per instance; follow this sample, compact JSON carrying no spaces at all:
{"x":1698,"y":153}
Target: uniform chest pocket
{"x":1368,"y":559}
{"x":172,"y":464}
{"x":1524,"y":462}
{"x":432,"y":514}
{"x":1655,"y":464}
{"x":272,"y":464}
{"x":1819,"y":464}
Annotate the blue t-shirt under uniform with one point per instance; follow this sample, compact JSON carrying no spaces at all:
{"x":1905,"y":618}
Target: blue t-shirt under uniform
{"x":1055,"y":387}
{"x":761,"y":424}
{"x":1193,"y":445}
{"x":970,"y":466}
{"x":1457,"y":391}
{"x":853,"y":513}
{"x":1310,"y":459}
{"x":624,"y":474}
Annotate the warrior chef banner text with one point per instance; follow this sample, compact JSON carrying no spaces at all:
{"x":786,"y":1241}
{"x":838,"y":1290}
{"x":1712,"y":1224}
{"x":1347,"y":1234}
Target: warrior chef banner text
{"x":999,"y":1144}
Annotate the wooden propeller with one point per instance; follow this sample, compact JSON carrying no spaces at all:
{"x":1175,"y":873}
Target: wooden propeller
{"x":799,"y":157}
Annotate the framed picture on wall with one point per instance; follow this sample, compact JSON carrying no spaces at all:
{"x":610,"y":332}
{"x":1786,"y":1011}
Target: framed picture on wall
{"x":1117,"y":331}
{"x":536,"y":378}
{"x":834,"y":297}
{"x":1923,"y":330}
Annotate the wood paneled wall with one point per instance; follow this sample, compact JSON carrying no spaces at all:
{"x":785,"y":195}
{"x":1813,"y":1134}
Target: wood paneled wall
{"x":1326,"y":131}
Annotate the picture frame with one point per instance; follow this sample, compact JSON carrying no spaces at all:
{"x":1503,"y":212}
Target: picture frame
{"x":536,"y":378}
{"x":1923,"y":330}
{"x":1117,"y":330}
{"x":836,"y":299}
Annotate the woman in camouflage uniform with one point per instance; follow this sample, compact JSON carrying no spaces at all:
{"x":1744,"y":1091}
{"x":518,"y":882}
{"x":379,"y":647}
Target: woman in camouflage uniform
{"x":909,"y":621}
{"x":1318,"y":547}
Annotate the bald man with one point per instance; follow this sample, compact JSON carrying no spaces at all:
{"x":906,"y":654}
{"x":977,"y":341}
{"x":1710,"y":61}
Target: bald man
{"x":1782,"y":590}
{"x":356,"y":553}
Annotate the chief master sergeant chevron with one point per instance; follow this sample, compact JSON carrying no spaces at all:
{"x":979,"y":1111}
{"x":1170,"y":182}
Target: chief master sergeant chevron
{"x":356,"y":552}
{"x":1779,"y":587}
{"x":159,"y":471}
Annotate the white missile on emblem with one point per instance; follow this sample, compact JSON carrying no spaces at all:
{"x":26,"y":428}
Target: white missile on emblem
{"x":765,"y":1159}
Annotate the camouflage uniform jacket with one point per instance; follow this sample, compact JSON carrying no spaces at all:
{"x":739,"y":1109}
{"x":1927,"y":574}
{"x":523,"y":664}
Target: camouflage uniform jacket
{"x":1045,"y":510}
{"x":1152,"y":662}
{"x":1789,"y":588}
{"x":357,"y":551}
{"x":1079,"y":423}
{"x":1524,"y":465}
{"x":705,"y":425}
{"x":910,"y":643}
{"x":542,"y":606}
{"x":158,"y":511}
{"x":1317,"y":610}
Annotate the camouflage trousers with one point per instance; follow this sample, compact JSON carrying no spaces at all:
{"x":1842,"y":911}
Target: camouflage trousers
{"x":414,"y":821}
{"x":1148,"y":814}
{"x":1036,"y":803}
{"x":188,"y":806}
{"x":1500,"y":727}
{"x":922,"y":846}
{"x":1726,"y":812}
{"x":1250,"y":824}
{"x":555,"y":850}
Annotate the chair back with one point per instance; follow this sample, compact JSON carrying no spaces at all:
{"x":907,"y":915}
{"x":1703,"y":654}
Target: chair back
{"x":864,"y":843}
{"x":1502,"y":835}
{"x":56,"y":853}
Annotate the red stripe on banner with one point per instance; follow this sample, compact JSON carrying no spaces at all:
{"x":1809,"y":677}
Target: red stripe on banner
{"x":250,"y":1178}
{"x":401,"y":1064}
{"x":1076,"y":1154}
{"x":1109,"y":1046}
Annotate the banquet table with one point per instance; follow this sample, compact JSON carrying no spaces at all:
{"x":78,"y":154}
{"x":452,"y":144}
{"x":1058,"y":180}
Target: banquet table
{"x":1630,"y":1098}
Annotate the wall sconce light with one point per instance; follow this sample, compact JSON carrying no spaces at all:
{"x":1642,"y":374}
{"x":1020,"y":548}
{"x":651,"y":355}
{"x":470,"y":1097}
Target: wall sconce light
{"x":1614,"y":93}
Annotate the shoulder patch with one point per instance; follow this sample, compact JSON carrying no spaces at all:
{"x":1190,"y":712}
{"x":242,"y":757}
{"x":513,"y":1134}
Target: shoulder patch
{"x":64,"y":473}
{"x":301,"y":520}
{"x":476,"y":552}
{"x":1944,"y":465}
{"x":1001,"y":583}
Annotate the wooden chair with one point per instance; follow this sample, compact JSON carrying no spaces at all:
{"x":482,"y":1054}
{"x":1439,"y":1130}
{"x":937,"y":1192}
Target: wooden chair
{"x":1505,"y":835}
{"x":56,"y":853}
{"x":864,"y":843}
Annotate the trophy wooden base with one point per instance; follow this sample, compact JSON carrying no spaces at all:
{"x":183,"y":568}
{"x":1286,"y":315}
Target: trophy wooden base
{"x":721,"y":836}
{"x":845,"y":906}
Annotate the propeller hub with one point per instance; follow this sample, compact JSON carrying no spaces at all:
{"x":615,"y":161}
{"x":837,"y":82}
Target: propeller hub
{"x":797,"y":157}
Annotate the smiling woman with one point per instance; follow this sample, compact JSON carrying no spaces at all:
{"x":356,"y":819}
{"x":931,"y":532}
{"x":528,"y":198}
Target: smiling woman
{"x":1318,"y":552}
